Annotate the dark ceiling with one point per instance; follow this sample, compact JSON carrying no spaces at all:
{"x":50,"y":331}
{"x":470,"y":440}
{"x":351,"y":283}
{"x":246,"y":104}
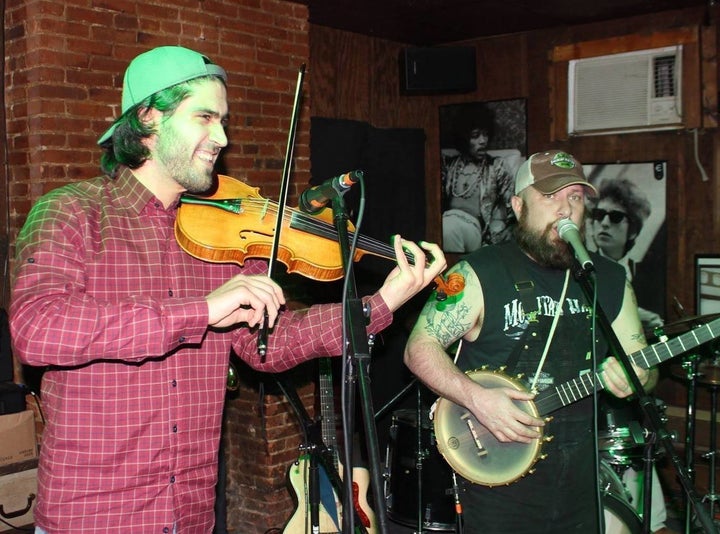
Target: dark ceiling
{"x":431,"y":22}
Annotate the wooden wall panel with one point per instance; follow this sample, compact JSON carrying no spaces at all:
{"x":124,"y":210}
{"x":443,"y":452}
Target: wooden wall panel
{"x":520,"y":66}
{"x":340,"y":74}
{"x":322,"y":73}
{"x":388,"y":109}
{"x":502,"y":68}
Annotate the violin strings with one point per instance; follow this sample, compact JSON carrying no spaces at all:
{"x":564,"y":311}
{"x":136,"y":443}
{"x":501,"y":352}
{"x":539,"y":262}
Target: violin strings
{"x":297,"y":219}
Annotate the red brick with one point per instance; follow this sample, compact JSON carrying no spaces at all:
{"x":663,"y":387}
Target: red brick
{"x":64,"y":68}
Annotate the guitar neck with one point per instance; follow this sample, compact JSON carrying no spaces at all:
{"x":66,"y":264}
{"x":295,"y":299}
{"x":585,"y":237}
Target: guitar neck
{"x":574,"y":390}
{"x":327,"y":408}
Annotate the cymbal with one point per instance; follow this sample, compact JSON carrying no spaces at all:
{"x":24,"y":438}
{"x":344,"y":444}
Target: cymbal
{"x":683,"y":325}
{"x":708,"y":373}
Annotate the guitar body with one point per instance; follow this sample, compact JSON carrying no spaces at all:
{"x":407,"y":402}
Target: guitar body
{"x":330,"y":510}
{"x":472,"y":450}
{"x":330,"y":516}
{"x":361,"y":483}
{"x":300,"y":522}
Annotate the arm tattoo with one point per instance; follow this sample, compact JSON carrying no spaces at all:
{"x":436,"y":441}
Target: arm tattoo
{"x":639,"y":336}
{"x":449,"y":320}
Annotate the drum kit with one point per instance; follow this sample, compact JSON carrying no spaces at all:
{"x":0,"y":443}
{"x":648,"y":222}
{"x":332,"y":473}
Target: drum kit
{"x":412,"y":457}
{"x":624,"y":446}
{"x":620,"y":516}
{"x":699,"y":370}
{"x":434,"y":502}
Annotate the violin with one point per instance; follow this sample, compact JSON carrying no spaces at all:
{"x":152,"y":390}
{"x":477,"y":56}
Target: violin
{"x":241,"y":224}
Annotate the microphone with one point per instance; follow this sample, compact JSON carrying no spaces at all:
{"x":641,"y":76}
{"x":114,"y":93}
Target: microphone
{"x":569,"y":233}
{"x":315,"y":198}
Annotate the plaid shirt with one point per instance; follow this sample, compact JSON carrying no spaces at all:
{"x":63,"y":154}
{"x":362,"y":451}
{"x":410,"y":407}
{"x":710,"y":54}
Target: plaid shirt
{"x":134,"y":388}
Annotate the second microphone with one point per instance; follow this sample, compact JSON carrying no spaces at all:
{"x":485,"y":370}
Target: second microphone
{"x":315,"y":198}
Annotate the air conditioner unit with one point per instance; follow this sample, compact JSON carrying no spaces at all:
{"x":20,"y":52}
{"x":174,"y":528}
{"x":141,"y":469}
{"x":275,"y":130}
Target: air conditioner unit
{"x":628,"y":92}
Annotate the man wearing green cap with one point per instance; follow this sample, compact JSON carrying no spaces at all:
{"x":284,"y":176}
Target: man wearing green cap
{"x":134,"y":333}
{"x":522,"y":310}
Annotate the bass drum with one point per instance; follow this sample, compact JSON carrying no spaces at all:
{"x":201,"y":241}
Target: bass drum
{"x":620,"y":516}
{"x":438,"y":504}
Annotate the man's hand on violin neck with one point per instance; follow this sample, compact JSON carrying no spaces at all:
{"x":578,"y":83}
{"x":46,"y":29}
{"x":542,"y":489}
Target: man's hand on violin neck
{"x":406,"y":280}
{"x":245,"y":299}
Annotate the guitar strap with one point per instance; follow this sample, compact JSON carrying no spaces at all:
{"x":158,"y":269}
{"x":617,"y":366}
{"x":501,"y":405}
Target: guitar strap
{"x":526,"y":289}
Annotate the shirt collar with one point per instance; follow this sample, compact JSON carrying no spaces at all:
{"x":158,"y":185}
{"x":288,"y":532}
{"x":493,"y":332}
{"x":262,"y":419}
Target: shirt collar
{"x":135,"y":195}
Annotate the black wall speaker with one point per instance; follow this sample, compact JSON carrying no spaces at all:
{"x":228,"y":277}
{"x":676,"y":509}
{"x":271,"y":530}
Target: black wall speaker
{"x":443,"y":69}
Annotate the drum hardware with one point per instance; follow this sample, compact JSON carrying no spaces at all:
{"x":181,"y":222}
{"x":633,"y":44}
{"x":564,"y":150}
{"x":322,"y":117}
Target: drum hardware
{"x":411,"y":462}
{"x":620,"y":516}
{"x":698,"y":371}
{"x":709,"y":375}
{"x":412,"y":457}
{"x":623,"y":447}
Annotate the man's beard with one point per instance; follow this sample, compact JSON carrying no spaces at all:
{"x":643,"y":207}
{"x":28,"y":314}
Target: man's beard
{"x":177,"y":156}
{"x":541,"y":247}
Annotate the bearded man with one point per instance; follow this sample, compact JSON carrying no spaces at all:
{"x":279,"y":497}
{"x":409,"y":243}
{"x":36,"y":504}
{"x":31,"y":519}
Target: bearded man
{"x":523,"y":310}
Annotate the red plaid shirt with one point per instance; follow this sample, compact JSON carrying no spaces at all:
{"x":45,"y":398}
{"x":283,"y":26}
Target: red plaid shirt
{"x":134,"y":390}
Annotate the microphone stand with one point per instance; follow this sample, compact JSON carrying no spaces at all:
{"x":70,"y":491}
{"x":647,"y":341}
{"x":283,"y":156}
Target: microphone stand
{"x":584,"y":277}
{"x":356,"y":347}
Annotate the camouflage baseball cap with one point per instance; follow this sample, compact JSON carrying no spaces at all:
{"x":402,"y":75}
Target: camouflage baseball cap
{"x":551,"y":171}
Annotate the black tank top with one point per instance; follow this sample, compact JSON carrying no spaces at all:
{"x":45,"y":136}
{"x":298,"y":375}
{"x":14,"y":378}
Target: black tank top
{"x":506,"y":321}
{"x":562,"y":490}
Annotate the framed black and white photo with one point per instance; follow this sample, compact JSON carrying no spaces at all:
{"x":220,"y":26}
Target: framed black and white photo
{"x":707,"y":284}
{"x":626,"y":223}
{"x":482,"y":144}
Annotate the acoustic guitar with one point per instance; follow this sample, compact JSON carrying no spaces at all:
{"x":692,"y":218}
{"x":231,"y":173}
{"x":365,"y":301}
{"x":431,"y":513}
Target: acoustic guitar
{"x":331,"y":518}
{"x":473,"y":451}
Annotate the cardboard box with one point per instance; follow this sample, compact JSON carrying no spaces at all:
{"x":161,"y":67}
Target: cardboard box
{"x":17,"y":437}
{"x":18,"y":496}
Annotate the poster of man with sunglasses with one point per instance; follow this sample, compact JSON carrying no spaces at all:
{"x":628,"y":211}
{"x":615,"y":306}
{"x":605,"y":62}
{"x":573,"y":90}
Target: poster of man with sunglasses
{"x":626,"y":222}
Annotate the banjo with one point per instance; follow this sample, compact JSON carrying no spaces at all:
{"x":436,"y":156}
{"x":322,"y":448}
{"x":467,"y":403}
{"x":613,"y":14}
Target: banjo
{"x":472,"y":450}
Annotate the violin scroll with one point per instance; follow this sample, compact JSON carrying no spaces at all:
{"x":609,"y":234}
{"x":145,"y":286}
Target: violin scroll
{"x":450,"y":286}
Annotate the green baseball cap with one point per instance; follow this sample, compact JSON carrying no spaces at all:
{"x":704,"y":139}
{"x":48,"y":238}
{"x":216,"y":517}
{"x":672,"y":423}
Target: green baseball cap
{"x":158,"y":69}
{"x":550,"y":172}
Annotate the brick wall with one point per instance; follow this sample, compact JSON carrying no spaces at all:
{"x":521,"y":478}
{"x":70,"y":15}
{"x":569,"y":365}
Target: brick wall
{"x":64,"y":63}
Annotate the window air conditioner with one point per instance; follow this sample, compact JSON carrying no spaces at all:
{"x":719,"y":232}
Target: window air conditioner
{"x":627,"y":92}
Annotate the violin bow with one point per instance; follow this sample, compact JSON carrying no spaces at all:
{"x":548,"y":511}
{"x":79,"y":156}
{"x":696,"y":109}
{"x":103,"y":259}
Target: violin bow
{"x":282,"y":201}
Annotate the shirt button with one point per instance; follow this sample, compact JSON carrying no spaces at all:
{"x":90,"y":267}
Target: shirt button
{"x":166,"y":530}
{"x":174,"y":428}
{"x":182,"y":339}
{"x":170,"y":292}
{"x":172,"y":479}
{"x":174,"y":383}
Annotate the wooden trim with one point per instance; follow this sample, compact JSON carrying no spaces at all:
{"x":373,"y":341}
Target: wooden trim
{"x":558,"y":101}
{"x":709,"y":75}
{"x":627,"y":43}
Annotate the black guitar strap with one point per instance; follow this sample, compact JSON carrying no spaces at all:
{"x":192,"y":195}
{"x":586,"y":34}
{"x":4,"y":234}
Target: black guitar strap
{"x":525,"y":288}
